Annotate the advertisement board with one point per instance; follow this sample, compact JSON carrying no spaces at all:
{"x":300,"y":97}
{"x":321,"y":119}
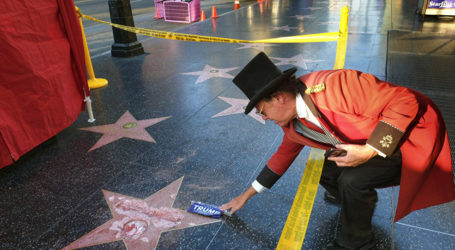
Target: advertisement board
{"x":437,"y":7}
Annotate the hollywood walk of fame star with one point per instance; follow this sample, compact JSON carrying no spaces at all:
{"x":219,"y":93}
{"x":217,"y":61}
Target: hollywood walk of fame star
{"x":298,"y":17}
{"x":297,"y":60}
{"x":311,"y":8}
{"x":285,"y":28}
{"x":210,"y":72}
{"x":258,"y":46}
{"x":302,"y":17}
{"x":126,"y":126}
{"x":328,"y":22}
{"x":139,"y":223}
{"x":238,"y":107}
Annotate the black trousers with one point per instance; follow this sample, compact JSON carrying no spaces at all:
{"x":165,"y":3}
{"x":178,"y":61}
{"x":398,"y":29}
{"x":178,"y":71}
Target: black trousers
{"x":355,"y":188}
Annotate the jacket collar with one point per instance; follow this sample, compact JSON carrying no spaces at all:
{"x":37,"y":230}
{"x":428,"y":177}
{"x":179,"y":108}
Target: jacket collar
{"x":308,"y":101}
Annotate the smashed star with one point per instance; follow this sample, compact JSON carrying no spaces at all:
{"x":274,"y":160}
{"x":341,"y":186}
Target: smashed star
{"x":136,"y":225}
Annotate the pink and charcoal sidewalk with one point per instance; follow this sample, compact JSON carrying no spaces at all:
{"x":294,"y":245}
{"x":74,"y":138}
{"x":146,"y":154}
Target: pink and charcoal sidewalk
{"x":170,"y":130}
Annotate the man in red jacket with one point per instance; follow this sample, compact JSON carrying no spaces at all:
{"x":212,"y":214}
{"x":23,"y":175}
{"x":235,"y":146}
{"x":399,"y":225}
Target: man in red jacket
{"x":384,"y":135}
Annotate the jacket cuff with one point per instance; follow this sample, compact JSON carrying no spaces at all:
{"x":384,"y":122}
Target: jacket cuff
{"x":267,"y":177}
{"x":385,"y":138}
{"x":379,"y":152}
{"x":258,"y":187}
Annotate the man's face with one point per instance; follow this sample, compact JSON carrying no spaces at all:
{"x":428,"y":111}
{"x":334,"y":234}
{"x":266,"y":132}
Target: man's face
{"x":280,"y":109}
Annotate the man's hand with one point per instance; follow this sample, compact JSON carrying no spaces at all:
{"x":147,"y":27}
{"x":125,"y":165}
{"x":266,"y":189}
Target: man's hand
{"x":356,"y":155}
{"x":238,"y":202}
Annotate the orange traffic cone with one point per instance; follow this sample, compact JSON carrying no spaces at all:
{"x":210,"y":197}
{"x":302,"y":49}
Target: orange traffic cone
{"x":214,"y":15}
{"x":202,"y":15}
{"x":236,"y":4}
{"x":157,"y":13}
{"x":214,"y":25}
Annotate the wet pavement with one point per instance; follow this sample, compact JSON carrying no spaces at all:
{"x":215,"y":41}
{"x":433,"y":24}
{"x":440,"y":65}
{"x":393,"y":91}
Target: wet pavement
{"x":169,"y":130}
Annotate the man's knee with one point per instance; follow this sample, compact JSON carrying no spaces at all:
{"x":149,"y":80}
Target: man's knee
{"x":350,"y":180}
{"x":351,"y":187}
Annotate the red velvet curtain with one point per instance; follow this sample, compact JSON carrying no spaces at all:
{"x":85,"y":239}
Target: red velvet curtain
{"x":43,"y":80}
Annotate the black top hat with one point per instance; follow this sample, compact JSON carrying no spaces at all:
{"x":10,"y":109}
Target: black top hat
{"x":260,"y":78}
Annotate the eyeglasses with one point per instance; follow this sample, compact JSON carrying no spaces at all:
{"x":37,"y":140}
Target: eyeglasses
{"x":259,"y":112}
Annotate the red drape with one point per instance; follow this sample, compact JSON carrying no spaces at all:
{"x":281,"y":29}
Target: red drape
{"x":43,"y":80}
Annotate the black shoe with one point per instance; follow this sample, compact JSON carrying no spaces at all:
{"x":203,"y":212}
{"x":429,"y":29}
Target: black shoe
{"x":334,"y":245}
{"x":331,"y":199}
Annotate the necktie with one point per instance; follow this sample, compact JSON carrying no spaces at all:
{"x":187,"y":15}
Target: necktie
{"x":325,"y":137}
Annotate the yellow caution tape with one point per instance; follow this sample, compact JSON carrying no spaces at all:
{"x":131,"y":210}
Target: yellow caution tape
{"x":168,"y":35}
{"x":322,"y":37}
{"x":297,"y":222}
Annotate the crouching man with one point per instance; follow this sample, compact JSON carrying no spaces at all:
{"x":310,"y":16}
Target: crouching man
{"x":384,"y":134}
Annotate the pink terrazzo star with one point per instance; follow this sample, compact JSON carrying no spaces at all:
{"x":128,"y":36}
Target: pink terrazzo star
{"x":329,"y":22}
{"x":127,"y":126}
{"x":210,"y":72}
{"x":285,"y":27}
{"x":139,"y":223}
{"x":302,"y":17}
{"x":257,"y":46}
{"x":311,"y":8}
{"x":238,"y":107}
{"x":295,"y":60}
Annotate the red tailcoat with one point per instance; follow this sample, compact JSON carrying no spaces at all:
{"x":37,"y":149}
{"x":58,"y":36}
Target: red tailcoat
{"x":358,"y":108}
